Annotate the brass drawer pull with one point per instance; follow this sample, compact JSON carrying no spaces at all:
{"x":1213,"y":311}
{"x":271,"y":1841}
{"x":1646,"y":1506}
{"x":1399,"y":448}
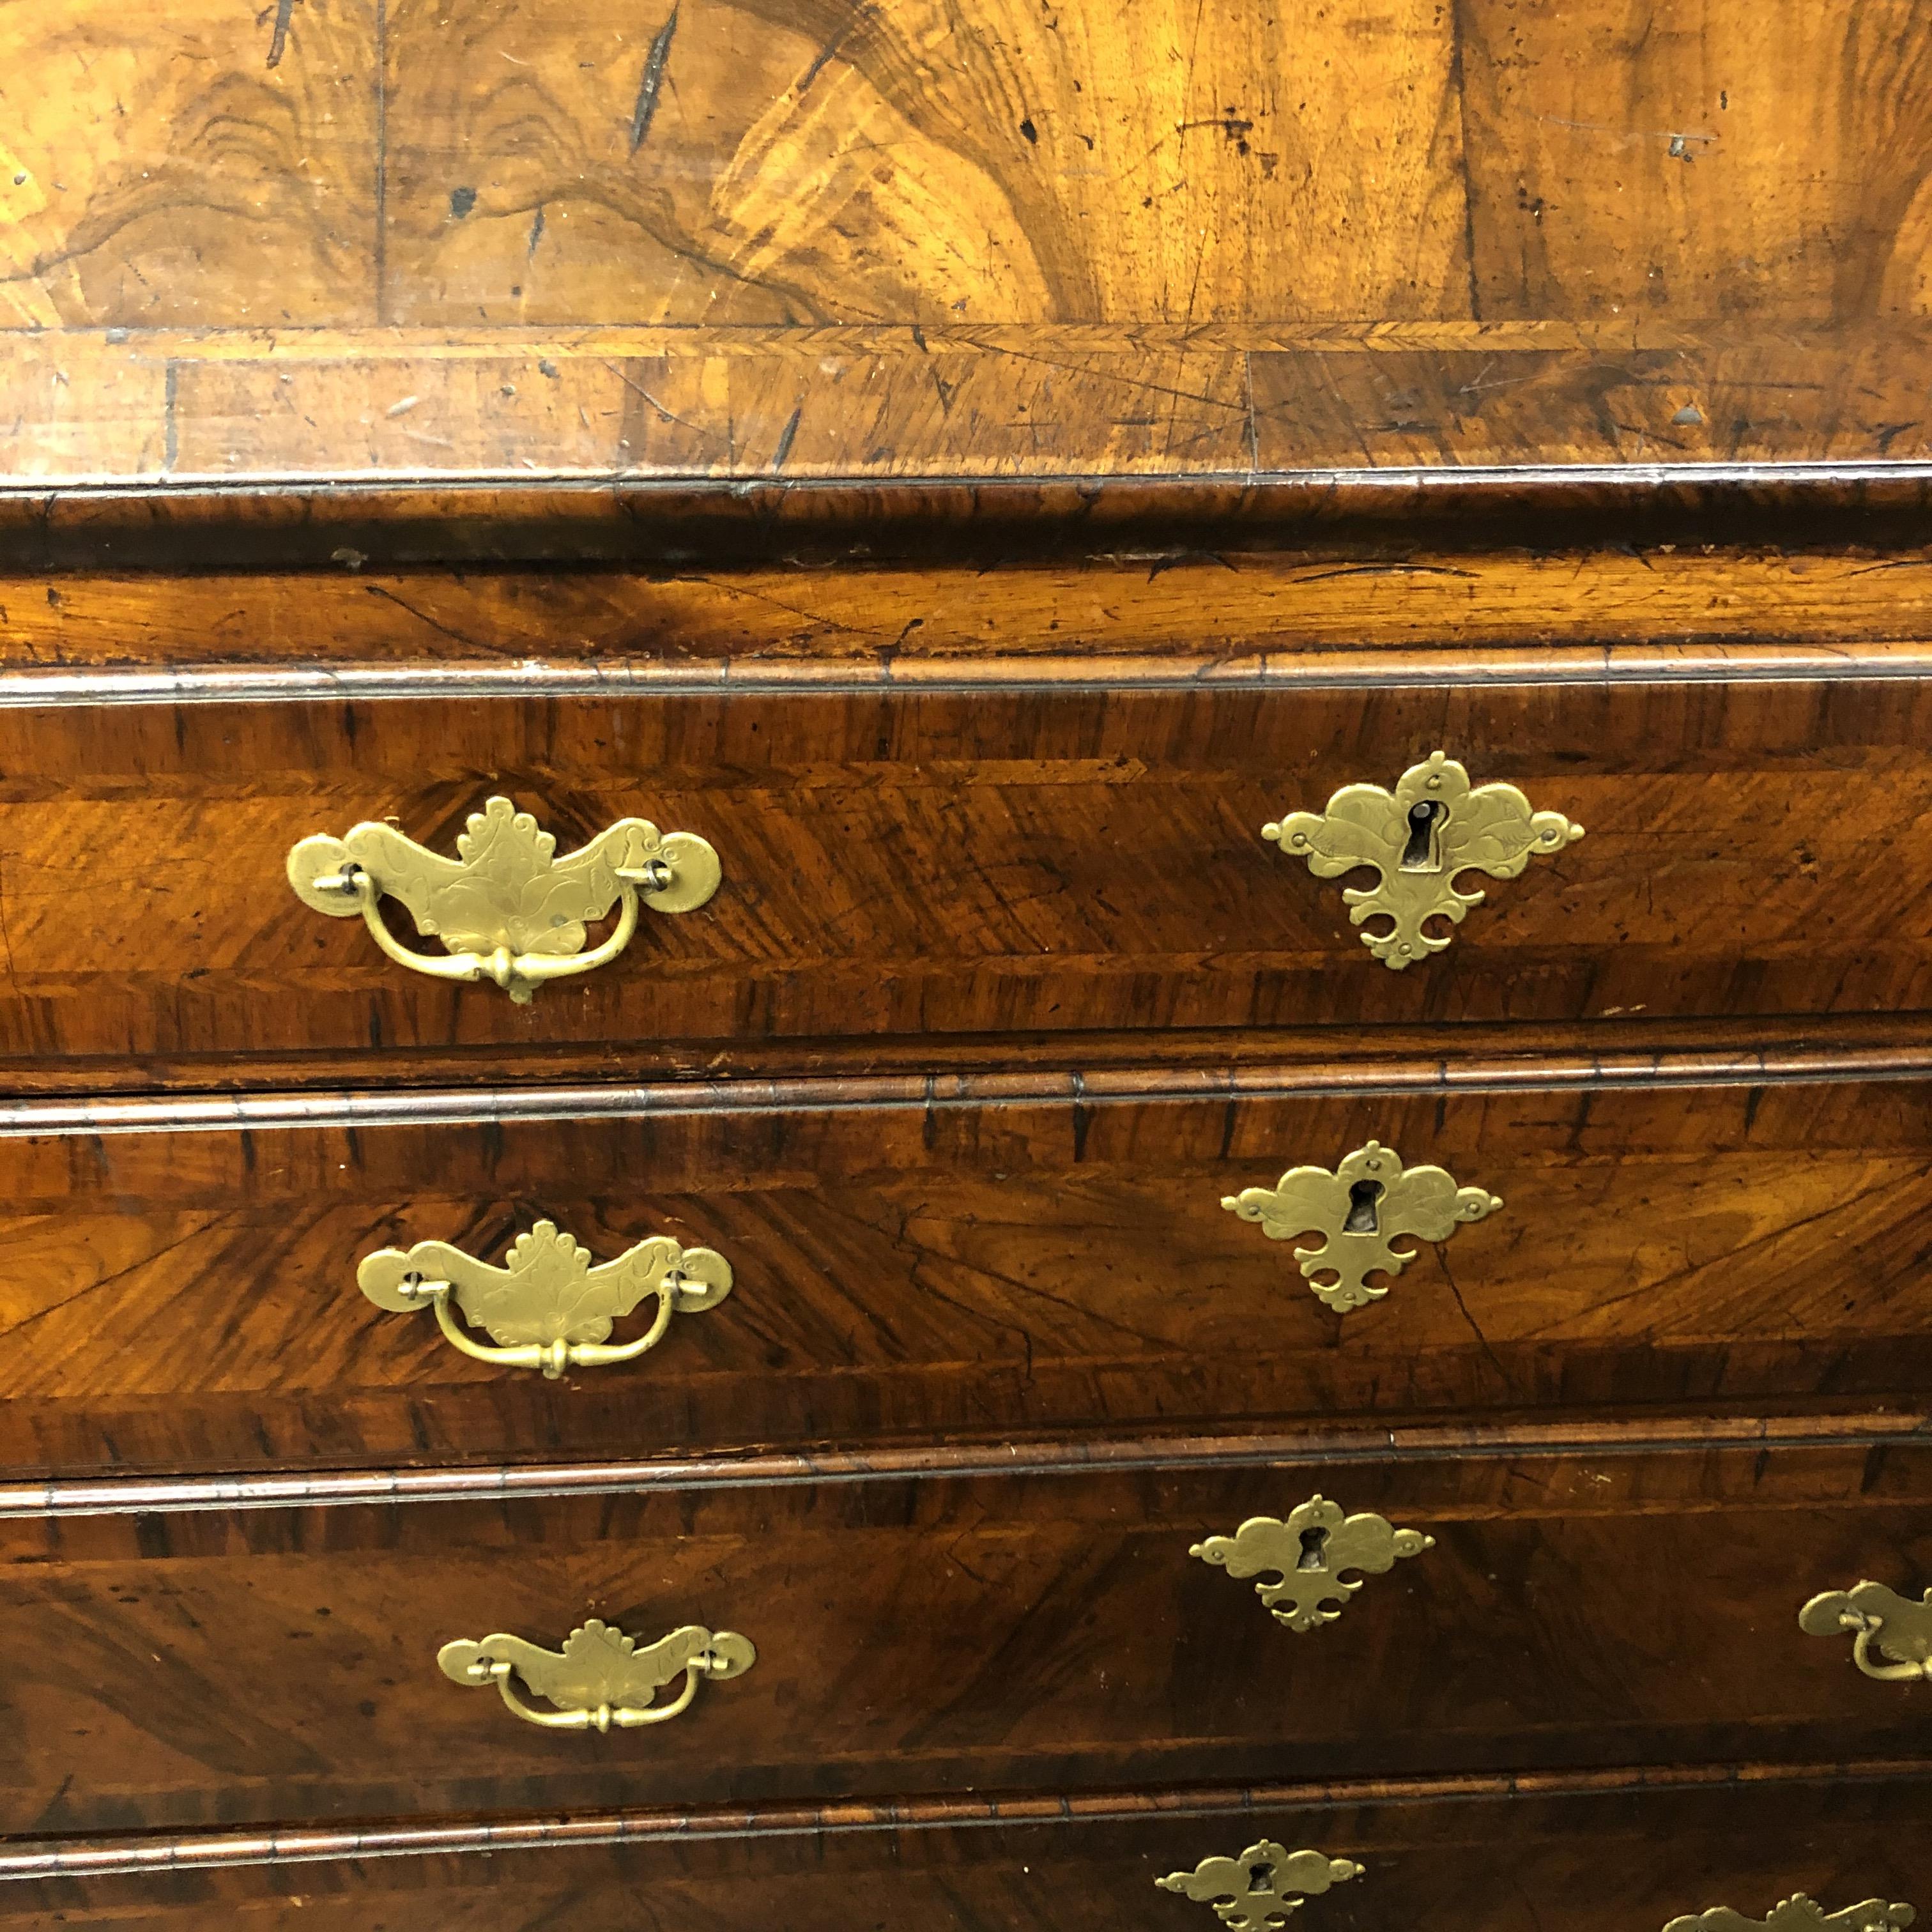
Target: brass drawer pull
{"x":1901,"y":1629}
{"x":1308,"y":1554}
{"x":600,"y":1681}
{"x":1361,"y":1210}
{"x":1800,"y":1914}
{"x":548,"y":1308}
{"x":1418,"y":837}
{"x":507,"y":908}
{"x":1256,"y":1891}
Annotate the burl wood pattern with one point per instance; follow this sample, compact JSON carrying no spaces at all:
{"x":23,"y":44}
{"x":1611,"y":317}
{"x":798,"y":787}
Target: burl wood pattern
{"x":910,"y":1270}
{"x":970,"y":861}
{"x":1597,"y":1861}
{"x":833,"y":239}
{"x":1042,"y":1632}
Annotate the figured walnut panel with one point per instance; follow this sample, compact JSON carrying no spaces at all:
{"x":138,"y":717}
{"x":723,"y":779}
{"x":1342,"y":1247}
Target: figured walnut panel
{"x":191,"y":166}
{"x":977,"y":1270}
{"x":1173,"y":162}
{"x":976,"y":862}
{"x":1033,"y":1633}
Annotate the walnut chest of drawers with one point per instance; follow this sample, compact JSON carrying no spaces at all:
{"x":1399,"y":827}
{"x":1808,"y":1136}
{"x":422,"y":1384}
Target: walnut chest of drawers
{"x":965,"y":968}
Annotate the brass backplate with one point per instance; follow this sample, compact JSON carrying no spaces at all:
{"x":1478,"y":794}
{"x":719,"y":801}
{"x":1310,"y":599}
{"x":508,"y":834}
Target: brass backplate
{"x":1361,"y":1209}
{"x":548,"y":1306}
{"x":601,"y":1680}
{"x":1257,"y":1891}
{"x":1800,"y":1914}
{"x":1876,"y":1619}
{"x":1307,"y":1556}
{"x":1433,"y":826}
{"x":506,"y":907}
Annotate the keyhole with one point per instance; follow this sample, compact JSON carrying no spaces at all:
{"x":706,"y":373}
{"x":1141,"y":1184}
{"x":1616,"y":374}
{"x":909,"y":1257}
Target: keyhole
{"x":1313,"y":1542}
{"x":1423,"y":853}
{"x":1362,"y":1216}
{"x":1261,"y":1878}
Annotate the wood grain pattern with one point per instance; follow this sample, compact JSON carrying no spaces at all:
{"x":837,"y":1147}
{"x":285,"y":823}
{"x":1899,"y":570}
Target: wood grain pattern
{"x":1580,"y":1611}
{"x":993,"y":861}
{"x":163,"y":172}
{"x":1475,"y":1859}
{"x":915,"y":1269}
{"x":829,"y":163}
{"x":1309,"y":613}
{"x":913,"y":240}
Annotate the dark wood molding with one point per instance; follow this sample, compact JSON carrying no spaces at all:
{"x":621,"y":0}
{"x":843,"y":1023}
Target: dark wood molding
{"x":1058,"y":1456}
{"x":1469,"y":1072}
{"x":22,"y":1859}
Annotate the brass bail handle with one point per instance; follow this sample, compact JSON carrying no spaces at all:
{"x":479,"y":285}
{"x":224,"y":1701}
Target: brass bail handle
{"x":1877,"y":1619}
{"x":508,"y":909}
{"x":548,"y":1307}
{"x":601,"y":1680}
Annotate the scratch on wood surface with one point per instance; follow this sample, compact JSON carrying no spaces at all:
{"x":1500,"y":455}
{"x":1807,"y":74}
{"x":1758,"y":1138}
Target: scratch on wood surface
{"x":785,"y":437}
{"x":651,"y":82}
{"x":829,"y":51}
{"x":284,"y":13}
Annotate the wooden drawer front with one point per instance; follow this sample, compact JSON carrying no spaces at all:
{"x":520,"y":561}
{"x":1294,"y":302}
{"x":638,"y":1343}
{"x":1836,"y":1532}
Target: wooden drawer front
{"x":909,"y":1265}
{"x":970,"y":861}
{"x":1471,"y":1860}
{"x":931,"y":1636}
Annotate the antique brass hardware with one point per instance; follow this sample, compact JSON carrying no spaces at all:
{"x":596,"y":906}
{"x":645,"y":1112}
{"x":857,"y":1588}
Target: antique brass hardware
{"x":1900,"y":1629}
{"x":1308,"y":1555}
{"x":507,"y":908}
{"x":600,"y":1681}
{"x":547,"y":1307}
{"x":1368,"y":1203}
{"x":1800,"y":1914}
{"x":1257,"y":1891}
{"x":1418,"y":837}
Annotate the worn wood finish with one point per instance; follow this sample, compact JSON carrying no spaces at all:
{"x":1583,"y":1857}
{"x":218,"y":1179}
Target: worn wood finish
{"x":1042,"y":1632}
{"x":913,"y":1264}
{"x":910,"y":240}
{"x":1306,"y":613}
{"x":982,"y":862}
{"x":1598,"y":1860}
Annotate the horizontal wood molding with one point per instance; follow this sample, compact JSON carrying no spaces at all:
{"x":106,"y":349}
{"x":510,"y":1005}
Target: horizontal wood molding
{"x":98,"y":1858}
{"x":1820,"y":1059}
{"x":215,"y":684}
{"x":1061,"y":1456}
{"x":1524,"y":1054}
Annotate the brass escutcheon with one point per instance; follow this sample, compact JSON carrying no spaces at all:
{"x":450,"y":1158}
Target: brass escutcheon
{"x":1257,"y":1891}
{"x":1418,"y":837}
{"x":1361,"y":1209}
{"x":1307,"y":1554}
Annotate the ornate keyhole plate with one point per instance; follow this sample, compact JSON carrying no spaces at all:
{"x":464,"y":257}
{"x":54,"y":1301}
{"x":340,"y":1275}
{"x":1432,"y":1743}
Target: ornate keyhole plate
{"x":1361,"y":1209}
{"x":1257,"y":1891}
{"x":1307,"y":1557}
{"x":1433,"y":825}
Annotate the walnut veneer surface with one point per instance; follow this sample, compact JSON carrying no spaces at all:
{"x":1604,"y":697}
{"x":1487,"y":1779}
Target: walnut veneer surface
{"x":975,"y":463}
